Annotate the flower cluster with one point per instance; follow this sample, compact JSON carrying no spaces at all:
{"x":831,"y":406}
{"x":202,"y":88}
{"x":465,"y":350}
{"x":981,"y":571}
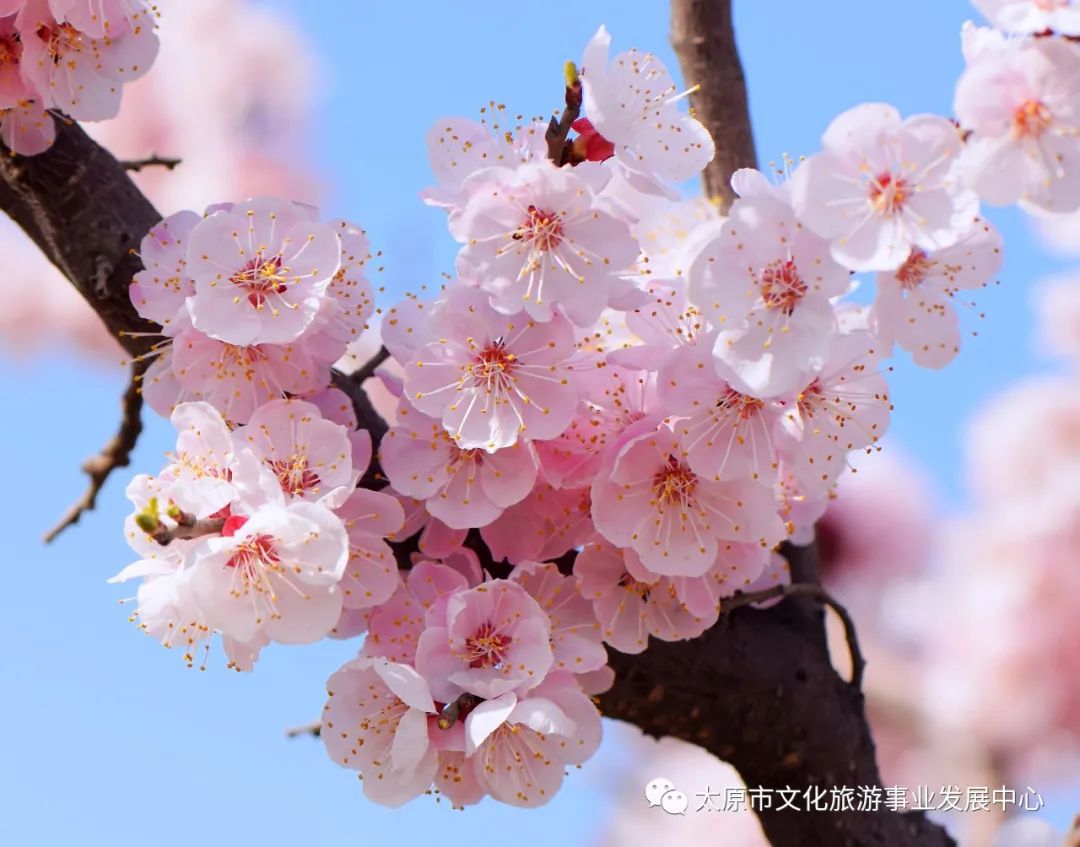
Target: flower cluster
{"x":258,"y":533}
{"x":607,"y":423}
{"x":73,"y":56}
{"x":255,"y":300}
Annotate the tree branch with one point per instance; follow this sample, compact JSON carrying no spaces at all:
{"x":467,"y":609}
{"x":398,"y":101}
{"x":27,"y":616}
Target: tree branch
{"x":704,"y":40}
{"x":115,"y":454}
{"x":758,"y":690}
{"x":76,"y":186}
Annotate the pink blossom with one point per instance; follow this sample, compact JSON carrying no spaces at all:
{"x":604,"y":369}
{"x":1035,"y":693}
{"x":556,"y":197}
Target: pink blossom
{"x":104,"y":17}
{"x":204,"y":462}
{"x":658,"y":328}
{"x":522,"y":746}
{"x":463,"y":488}
{"x":727,"y":434}
{"x":350,"y":301}
{"x":535,"y":238}
{"x":335,"y":405}
{"x":276,"y":575}
{"x":13,"y":88}
{"x":632,"y":103}
{"x":1020,"y":102}
{"x":492,"y":378}
{"x":310,"y":456}
{"x":396,"y":625}
{"x":738,"y":567}
{"x":495,"y":639}
{"x":631,"y":603}
{"x":913,"y":307}
{"x":613,"y":400}
{"x":844,"y":408}
{"x":766,"y":282}
{"x":82,"y":72}
{"x":672,"y":232}
{"x":545,"y":525}
{"x":576,"y":641}
{"x":26,"y":128}
{"x":459,"y":147}
{"x":371,"y":575}
{"x":1032,"y":16}
{"x":160,"y":291}
{"x":882,"y":186}
{"x":376,"y":721}
{"x":166,"y":608}
{"x":234,"y":379}
{"x":651,"y":501}
{"x":261,"y":271}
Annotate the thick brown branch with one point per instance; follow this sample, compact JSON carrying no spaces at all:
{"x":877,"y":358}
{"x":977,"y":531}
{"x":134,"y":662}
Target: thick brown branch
{"x":704,"y":40}
{"x":80,"y":206}
{"x":150,"y":162}
{"x":806,"y":589}
{"x":367,"y":370}
{"x":115,"y":454}
{"x":758,"y":690}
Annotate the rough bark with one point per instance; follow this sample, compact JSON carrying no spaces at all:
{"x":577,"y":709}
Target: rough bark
{"x":78,"y":204}
{"x":704,"y":40}
{"x":758,"y":690}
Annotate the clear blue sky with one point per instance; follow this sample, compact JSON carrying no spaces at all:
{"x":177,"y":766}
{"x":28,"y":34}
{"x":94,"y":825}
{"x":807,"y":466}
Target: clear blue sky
{"x":104,"y":736}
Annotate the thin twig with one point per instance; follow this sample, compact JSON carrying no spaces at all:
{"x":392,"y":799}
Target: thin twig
{"x":558,"y":130}
{"x":195,"y":529}
{"x":115,"y":454}
{"x":367,"y":370}
{"x":804,"y":589}
{"x":154,"y":161}
{"x":313,"y":729}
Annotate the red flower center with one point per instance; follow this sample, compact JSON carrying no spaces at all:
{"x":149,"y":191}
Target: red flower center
{"x":781,"y":286}
{"x":542,"y":230}
{"x":260,"y":278}
{"x":487,"y":648}
{"x":888,"y":194}
{"x":1031,"y":120}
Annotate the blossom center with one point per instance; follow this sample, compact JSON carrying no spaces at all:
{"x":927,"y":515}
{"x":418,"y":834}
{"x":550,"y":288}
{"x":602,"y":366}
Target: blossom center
{"x":674,"y":484}
{"x":888,"y":194}
{"x":1031,"y":119}
{"x":253,"y":555}
{"x":542,"y":230}
{"x":10,"y":50}
{"x":743,"y":405}
{"x":492,"y":366}
{"x":641,"y":589}
{"x":781,"y":286}
{"x":487,"y":647}
{"x":61,"y":40}
{"x":811,"y":397}
{"x":260,"y":278}
{"x":295,"y":475}
{"x":915,"y":270}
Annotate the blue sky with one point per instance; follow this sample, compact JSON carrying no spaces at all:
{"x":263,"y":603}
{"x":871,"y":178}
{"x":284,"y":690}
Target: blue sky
{"x":104,"y":735}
